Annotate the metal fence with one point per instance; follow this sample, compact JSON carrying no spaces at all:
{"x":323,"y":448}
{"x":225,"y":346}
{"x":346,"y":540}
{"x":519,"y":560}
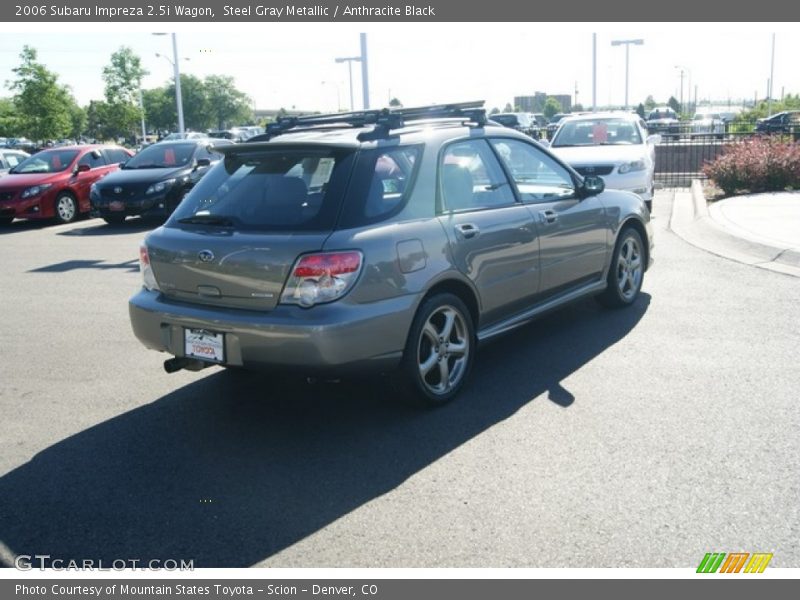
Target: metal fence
{"x":687,"y":146}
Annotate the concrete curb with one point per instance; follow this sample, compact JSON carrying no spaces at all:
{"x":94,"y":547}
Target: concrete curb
{"x":691,"y":221}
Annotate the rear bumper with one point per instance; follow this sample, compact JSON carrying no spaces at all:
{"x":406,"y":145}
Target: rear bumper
{"x":324,"y":339}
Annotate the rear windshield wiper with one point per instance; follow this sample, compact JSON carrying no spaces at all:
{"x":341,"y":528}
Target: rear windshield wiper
{"x":207,"y":220}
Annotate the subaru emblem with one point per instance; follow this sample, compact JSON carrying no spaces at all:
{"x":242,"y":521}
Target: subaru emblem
{"x":205,"y":255}
{"x":117,"y":190}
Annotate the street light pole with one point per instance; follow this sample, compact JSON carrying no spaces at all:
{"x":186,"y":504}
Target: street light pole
{"x":349,"y":60}
{"x":177,"y":74}
{"x":627,"y":44}
{"x":771,"y":77}
{"x":141,"y":107}
{"x":683,"y":70}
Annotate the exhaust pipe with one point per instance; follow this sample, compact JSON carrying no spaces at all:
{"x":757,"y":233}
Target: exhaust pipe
{"x":175,"y":364}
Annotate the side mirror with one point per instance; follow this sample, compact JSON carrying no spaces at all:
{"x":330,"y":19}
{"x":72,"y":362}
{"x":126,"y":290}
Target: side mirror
{"x":203,"y":162}
{"x":592,"y":186}
{"x":654,"y":139}
{"x":82,"y":168}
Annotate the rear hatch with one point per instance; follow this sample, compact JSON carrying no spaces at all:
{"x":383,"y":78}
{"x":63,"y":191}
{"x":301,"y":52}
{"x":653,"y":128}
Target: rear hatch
{"x":235,"y":237}
{"x":229,"y":269}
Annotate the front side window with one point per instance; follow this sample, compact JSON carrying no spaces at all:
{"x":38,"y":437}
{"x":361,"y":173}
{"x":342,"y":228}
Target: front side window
{"x":275,"y":189}
{"x":537,"y":176}
{"x":471,"y":178}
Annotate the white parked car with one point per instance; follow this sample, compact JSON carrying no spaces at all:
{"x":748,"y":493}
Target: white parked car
{"x":614,"y":146}
{"x":708,"y":124}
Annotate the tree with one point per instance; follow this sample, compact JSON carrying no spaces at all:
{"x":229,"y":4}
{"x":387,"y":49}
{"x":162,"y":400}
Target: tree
{"x":41,"y":103}
{"x":77,"y":119}
{"x":649,"y":103}
{"x":123,"y":77}
{"x":640,"y":110}
{"x":8,"y":118}
{"x":159,"y":110}
{"x":674,"y":104}
{"x":96,"y":120}
{"x":551,"y":107}
{"x":226,"y":105}
{"x":494,"y":111}
{"x":196,"y":113}
{"x":578,"y":108}
{"x":508,"y":108}
{"x":395,"y":103}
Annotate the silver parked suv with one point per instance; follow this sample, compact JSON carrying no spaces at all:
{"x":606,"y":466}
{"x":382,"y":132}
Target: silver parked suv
{"x":393,"y":240}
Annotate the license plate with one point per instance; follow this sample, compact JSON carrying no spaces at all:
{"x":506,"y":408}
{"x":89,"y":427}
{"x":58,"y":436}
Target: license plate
{"x":116,"y":205}
{"x":204,"y":345}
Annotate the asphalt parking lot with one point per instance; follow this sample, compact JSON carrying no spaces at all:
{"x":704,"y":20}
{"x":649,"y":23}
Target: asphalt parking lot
{"x":637,"y":438}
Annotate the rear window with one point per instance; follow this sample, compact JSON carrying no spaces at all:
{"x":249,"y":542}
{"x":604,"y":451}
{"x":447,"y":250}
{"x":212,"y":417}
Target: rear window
{"x":289,"y":189}
{"x":506,"y":120}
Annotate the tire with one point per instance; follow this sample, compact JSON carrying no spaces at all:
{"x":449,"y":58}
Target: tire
{"x":626,"y":272}
{"x":439,"y":351}
{"x":114,"y":219}
{"x":65,"y":207}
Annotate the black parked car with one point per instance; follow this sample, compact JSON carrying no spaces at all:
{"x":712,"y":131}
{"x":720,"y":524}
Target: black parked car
{"x":153,"y":182}
{"x":783,"y":122}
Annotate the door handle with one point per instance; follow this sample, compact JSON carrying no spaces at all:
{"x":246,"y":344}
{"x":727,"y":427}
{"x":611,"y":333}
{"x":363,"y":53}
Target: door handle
{"x":467,"y":231}
{"x":549,"y":216}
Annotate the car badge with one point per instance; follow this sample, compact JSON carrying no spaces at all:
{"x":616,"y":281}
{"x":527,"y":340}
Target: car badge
{"x":117,"y":190}
{"x":205,"y":256}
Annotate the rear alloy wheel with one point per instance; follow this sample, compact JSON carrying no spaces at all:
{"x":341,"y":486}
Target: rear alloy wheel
{"x":66,"y":208}
{"x":439,"y":350}
{"x":626,"y":273}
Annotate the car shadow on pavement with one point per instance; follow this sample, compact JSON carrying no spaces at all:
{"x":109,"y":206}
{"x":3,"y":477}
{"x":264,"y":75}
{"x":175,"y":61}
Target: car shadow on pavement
{"x":235,"y":467}
{"x":98,"y":228}
{"x":72,"y":265}
{"x":18,"y":225}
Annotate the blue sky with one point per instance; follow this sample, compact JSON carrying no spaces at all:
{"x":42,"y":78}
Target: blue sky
{"x":285,"y":64}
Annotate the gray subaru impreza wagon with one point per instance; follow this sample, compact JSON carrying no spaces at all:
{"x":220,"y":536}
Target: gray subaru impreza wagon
{"x":389,"y":240}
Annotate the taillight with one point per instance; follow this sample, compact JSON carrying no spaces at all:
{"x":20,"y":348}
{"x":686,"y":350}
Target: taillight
{"x":148,"y":278}
{"x":323,"y":277}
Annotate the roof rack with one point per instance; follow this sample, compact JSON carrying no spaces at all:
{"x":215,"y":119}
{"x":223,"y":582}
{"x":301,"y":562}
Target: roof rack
{"x":384,"y":119}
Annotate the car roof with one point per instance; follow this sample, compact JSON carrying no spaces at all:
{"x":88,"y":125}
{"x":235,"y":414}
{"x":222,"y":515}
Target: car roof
{"x":434,"y":124}
{"x":603,"y":115}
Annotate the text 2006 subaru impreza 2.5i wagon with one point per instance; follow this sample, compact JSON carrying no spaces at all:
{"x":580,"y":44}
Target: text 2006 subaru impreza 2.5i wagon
{"x":389,"y":240}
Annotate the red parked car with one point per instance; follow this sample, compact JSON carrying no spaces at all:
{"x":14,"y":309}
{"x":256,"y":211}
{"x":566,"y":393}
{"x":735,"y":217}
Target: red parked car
{"x":54,"y":184}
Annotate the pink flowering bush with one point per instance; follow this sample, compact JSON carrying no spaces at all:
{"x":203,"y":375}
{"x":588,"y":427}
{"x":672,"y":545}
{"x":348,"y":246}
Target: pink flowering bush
{"x":761,"y":164}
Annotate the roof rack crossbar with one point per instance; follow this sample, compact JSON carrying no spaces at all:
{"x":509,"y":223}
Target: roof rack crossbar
{"x":385,"y":119}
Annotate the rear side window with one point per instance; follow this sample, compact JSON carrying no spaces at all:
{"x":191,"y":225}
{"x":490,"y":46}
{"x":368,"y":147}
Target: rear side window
{"x":272,"y":190}
{"x":382,"y":183}
{"x":116,"y":155}
{"x":94,"y":159}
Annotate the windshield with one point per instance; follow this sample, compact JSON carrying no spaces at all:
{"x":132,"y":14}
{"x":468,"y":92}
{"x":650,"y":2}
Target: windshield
{"x":505,"y":120}
{"x":49,"y":161}
{"x":295,"y":189}
{"x":597,"y":132}
{"x":661,"y":114}
{"x":162,"y":156}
